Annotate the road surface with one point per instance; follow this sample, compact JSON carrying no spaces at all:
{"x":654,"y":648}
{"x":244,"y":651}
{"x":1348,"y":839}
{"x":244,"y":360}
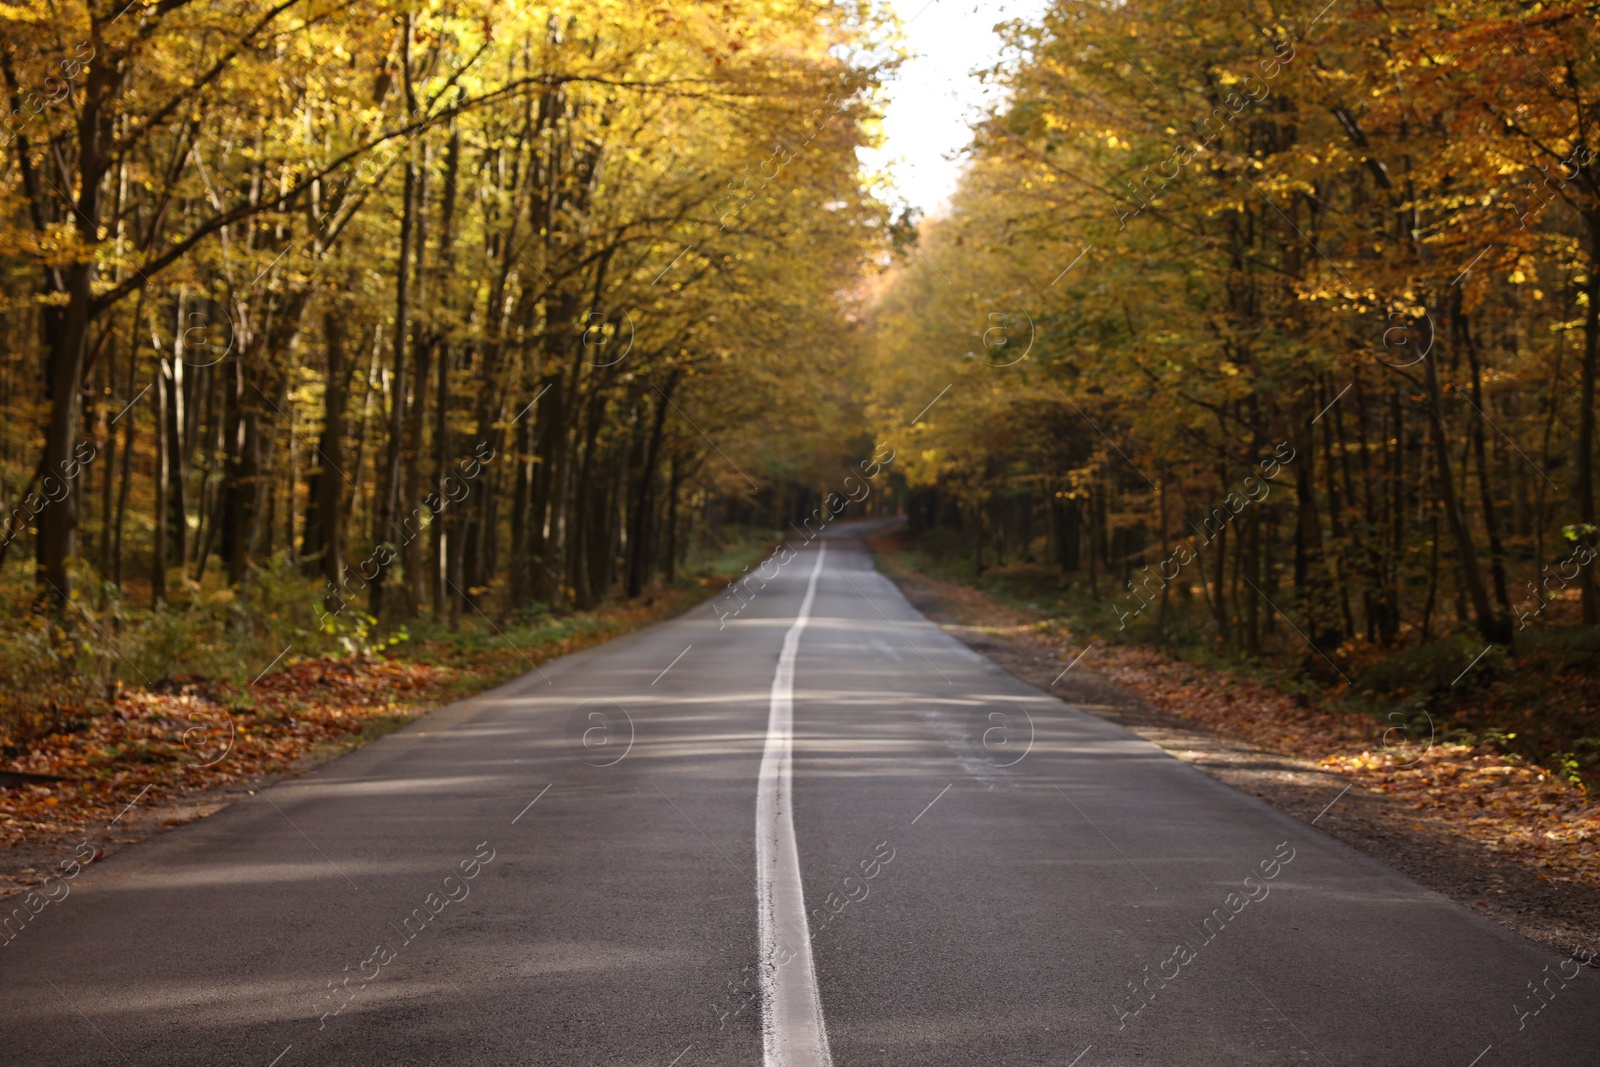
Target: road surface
{"x":817,"y":831}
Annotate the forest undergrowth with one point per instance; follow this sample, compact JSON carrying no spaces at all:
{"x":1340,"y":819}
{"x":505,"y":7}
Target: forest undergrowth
{"x":209,"y":706}
{"x":1498,"y":752}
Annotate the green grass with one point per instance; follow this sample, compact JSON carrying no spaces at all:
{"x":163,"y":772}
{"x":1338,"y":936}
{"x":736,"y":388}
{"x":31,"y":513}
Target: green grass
{"x":58,"y":670}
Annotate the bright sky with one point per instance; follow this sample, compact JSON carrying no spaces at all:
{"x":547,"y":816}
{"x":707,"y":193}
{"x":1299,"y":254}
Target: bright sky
{"x":935,"y":98}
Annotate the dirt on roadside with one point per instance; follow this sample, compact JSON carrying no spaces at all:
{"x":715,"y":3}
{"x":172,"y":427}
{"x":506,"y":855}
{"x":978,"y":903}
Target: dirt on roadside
{"x":1561,"y":913}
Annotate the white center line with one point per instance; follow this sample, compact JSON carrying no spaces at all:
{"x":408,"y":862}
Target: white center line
{"x":792,"y":1031}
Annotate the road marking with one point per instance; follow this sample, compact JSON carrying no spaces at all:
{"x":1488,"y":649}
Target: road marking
{"x":792,"y":1031}
{"x":1079,"y":1056}
{"x":1478,"y":1057}
{"x":280,"y":1056}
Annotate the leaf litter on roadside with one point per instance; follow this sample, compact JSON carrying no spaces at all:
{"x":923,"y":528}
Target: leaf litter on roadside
{"x":1500,"y":801}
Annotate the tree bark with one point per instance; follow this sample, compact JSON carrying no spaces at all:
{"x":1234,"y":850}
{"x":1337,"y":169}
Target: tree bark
{"x":324,"y":536}
{"x":1494,"y":629}
{"x":1583,"y":489}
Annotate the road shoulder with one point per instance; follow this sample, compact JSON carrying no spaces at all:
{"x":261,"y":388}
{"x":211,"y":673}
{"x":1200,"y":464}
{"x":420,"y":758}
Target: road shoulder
{"x":1561,"y":914}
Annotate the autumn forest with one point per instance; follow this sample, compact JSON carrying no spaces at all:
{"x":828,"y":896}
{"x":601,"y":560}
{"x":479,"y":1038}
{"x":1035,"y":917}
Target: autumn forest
{"x":1265,"y":331}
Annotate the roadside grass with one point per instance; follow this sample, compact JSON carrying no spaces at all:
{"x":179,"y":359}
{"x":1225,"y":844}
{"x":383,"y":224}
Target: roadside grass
{"x":204,"y":711}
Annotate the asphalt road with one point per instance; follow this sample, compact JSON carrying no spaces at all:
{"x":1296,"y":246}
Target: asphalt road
{"x":818,"y":831}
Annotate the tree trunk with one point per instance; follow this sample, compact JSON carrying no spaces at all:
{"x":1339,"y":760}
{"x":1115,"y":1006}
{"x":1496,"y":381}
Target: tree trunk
{"x":324,"y":536}
{"x":158,"y":544}
{"x":422,"y":352}
{"x":1494,"y":629}
{"x":389,"y":486}
{"x":641,"y":538}
{"x":1491,"y":524}
{"x":1583,"y":490}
